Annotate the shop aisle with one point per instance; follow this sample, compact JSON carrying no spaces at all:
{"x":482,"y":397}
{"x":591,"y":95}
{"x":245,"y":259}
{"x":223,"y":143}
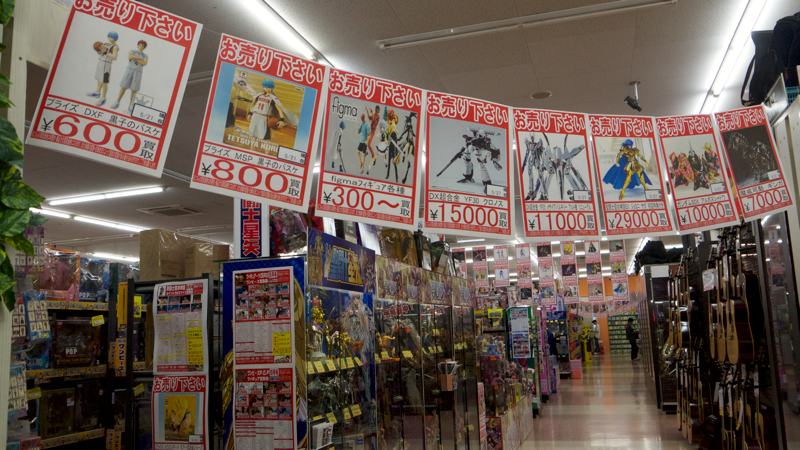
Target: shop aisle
{"x":611,"y":407}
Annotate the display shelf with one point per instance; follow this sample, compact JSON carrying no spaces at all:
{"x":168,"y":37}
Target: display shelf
{"x":62,"y":305}
{"x":73,"y":438}
{"x":49,"y":374}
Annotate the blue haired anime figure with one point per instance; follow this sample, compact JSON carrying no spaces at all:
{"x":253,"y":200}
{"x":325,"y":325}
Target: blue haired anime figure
{"x":266,"y":112}
{"x":106,"y":55}
{"x":337,"y":157}
{"x":628,"y":171}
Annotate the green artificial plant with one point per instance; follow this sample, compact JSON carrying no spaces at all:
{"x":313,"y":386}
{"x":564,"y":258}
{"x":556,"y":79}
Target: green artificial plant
{"x":16,"y":197}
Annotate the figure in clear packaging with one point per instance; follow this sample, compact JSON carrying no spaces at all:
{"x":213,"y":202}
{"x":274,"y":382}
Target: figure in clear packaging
{"x":628,"y":171}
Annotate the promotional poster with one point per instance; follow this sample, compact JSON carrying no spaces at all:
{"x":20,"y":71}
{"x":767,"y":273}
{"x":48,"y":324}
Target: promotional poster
{"x":547,"y":285}
{"x":501,"y":268}
{"x":261,"y":127}
{"x":264,"y":409}
{"x":180,"y":324}
{"x":369,"y":151}
{"x":701,"y":192}
{"x":337,"y":263}
{"x":632,"y":191}
{"x":619,"y":274}
{"x":524,"y":269}
{"x":116,"y":83}
{"x":594,"y":270}
{"x":179,"y":412}
{"x":569,"y":273}
{"x":480,"y":266}
{"x":468,"y":188}
{"x":754,"y":162}
{"x":556,"y":176}
{"x":263,"y":317}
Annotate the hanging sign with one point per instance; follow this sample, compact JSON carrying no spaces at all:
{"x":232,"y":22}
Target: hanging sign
{"x":180,"y":323}
{"x":179,"y":412}
{"x":116,"y":84}
{"x":480,"y":266}
{"x":700,"y":190}
{"x":558,"y":198}
{"x":524,"y":275}
{"x":250,"y":229}
{"x":468,"y":188}
{"x":752,"y":157}
{"x":260,"y":128}
{"x":501,"y":270}
{"x":594,"y":271}
{"x":632,"y":190}
{"x":569,"y":273}
{"x":547,"y":283}
{"x":369,"y":154}
{"x":619,"y":275}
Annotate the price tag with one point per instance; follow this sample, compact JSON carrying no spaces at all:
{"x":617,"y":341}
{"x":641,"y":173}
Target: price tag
{"x":98,"y":321}
{"x":377,"y":358}
{"x":439,"y":349}
{"x":138,"y":390}
{"x":331,"y":418}
{"x":137,"y":306}
{"x":408,"y":354}
{"x":310,"y":368}
{"x":282,"y":343}
{"x":316,"y":418}
{"x":349,"y":362}
{"x":331,"y":366}
{"x":34,"y":394}
{"x":384,"y":355}
{"x":346,"y":413}
{"x":194,"y":346}
{"x":357,"y":361}
{"x":356,"y":409}
{"x":318,"y":365}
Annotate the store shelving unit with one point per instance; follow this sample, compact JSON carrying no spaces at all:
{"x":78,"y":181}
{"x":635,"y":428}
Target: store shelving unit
{"x":616,"y":332}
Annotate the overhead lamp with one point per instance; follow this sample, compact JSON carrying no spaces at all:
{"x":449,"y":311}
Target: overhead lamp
{"x":105,"y":255}
{"x":50,"y":213}
{"x":105,"y":195}
{"x":516,"y":23}
{"x":109,"y":224}
{"x":465,"y":241}
{"x":747,"y":22}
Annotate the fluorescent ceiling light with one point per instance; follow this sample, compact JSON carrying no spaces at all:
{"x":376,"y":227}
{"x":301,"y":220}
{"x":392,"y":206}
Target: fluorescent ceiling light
{"x":51,"y":213}
{"x":295,"y":42}
{"x":105,"y":195}
{"x":738,"y":42}
{"x":670,"y":247}
{"x":555,"y":243}
{"x":115,"y":256}
{"x":605,"y":251}
{"x":515,"y":23}
{"x":464,"y":241}
{"x":109,"y":224}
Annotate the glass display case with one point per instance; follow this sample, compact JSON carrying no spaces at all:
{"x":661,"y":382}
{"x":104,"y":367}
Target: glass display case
{"x":464,"y":351}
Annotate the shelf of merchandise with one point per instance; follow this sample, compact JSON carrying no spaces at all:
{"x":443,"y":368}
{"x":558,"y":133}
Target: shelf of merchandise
{"x":616,"y":332}
{"x":62,"y":305}
{"x":73,"y":438}
{"x":42,"y":375}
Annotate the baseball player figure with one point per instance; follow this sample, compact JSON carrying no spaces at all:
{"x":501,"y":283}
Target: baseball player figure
{"x":132,"y":79}
{"x":267,"y":113}
{"x":106,"y":55}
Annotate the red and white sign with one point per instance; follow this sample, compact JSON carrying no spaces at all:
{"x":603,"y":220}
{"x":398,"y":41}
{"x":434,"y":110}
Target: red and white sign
{"x":547,"y":285}
{"x":594,"y":271}
{"x":701,"y":192}
{"x":501,"y":271}
{"x":480,"y":266}
{"x":468,"y":187}
{"x":261,"y":125}
{"x":631,"y":186}
{"x":750,"y":152}
{"x":263,"y":327}
{"x":264,"y":408}
{"x":369,"y":154}
{"x":116,"y":84}
{"x":178,"y":416}
{"x":619,"y":274}
{"x":569,"y":273}
{"x":556,"y":176}
{"x":524,"y":267}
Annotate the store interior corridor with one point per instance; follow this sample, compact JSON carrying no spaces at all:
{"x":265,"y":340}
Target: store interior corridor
{"x":612,"y":406}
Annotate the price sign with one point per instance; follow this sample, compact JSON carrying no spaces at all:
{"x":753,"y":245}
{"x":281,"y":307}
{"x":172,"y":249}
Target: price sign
{"x":751,"y":154}
{"x":370,"y":151}
{"x":558,"y":197}
{"x":468,"y":185}
{"x":629,"y":170}
{"x":134,"y":90}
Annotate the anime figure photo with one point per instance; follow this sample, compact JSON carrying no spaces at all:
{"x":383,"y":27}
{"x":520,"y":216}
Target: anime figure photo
{"x":266,"y":113}
{"x":751,"y":156}
{"x":132,"y":79}
{"x":628,"y":172}
{"x":374,"y":117}
{"x":106,"y":55}
{"x":363,"y":137}
{"x":711,"y":162}
{"x":338,"y":155}
{"x":478,"y":145}
{"x":536,"y":158}
{"x":680,"y":170}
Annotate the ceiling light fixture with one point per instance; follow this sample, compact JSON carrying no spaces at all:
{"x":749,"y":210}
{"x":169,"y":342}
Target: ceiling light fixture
{"x":541,"y":95}
{"x":465,"y":241}
{"x":51,"y":213}
{"x":516,"y":23}
{"x":293,"y":39}
{"x":739,"y":40}
{"x":109,"y":224}
{"x":105,"y":255}
{"x":106,"y":195}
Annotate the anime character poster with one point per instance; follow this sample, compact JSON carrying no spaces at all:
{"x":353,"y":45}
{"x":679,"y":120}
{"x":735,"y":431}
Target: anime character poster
{"x":468,"y":187}
{"x":260,"y":129}
{"x":179,"y":412}
{"x":180,"y":344}
{"x":501,"y":266}
{"x":369,"y":151}
{"x":555,"y":170}
{"x":524,"y":269}
{"x":569,"y":273}
{"x":619,"y":274}
{"x":116,"y":83}
{"x":752,"y":157}
{"x":480,"y":266}
{"x":701,"y":192}
{"x":337,"y":263}
{"x":547,"y":285}
{"x":264,"y":408}
{"x":631,"y":186}
{"x":594,"y":271}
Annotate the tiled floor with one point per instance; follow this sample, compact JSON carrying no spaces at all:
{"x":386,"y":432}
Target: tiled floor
{"x":612,"y":407}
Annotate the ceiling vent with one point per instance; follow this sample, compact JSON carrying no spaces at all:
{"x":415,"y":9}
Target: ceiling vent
{"x":170,"y":211}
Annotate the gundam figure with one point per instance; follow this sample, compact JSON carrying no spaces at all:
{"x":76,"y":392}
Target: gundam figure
{"x":628,"y":172}
{"x":536,"y":159}
{"x":545,"y":161}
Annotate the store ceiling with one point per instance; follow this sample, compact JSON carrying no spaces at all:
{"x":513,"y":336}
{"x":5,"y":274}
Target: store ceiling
{"x":673,"y":50}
